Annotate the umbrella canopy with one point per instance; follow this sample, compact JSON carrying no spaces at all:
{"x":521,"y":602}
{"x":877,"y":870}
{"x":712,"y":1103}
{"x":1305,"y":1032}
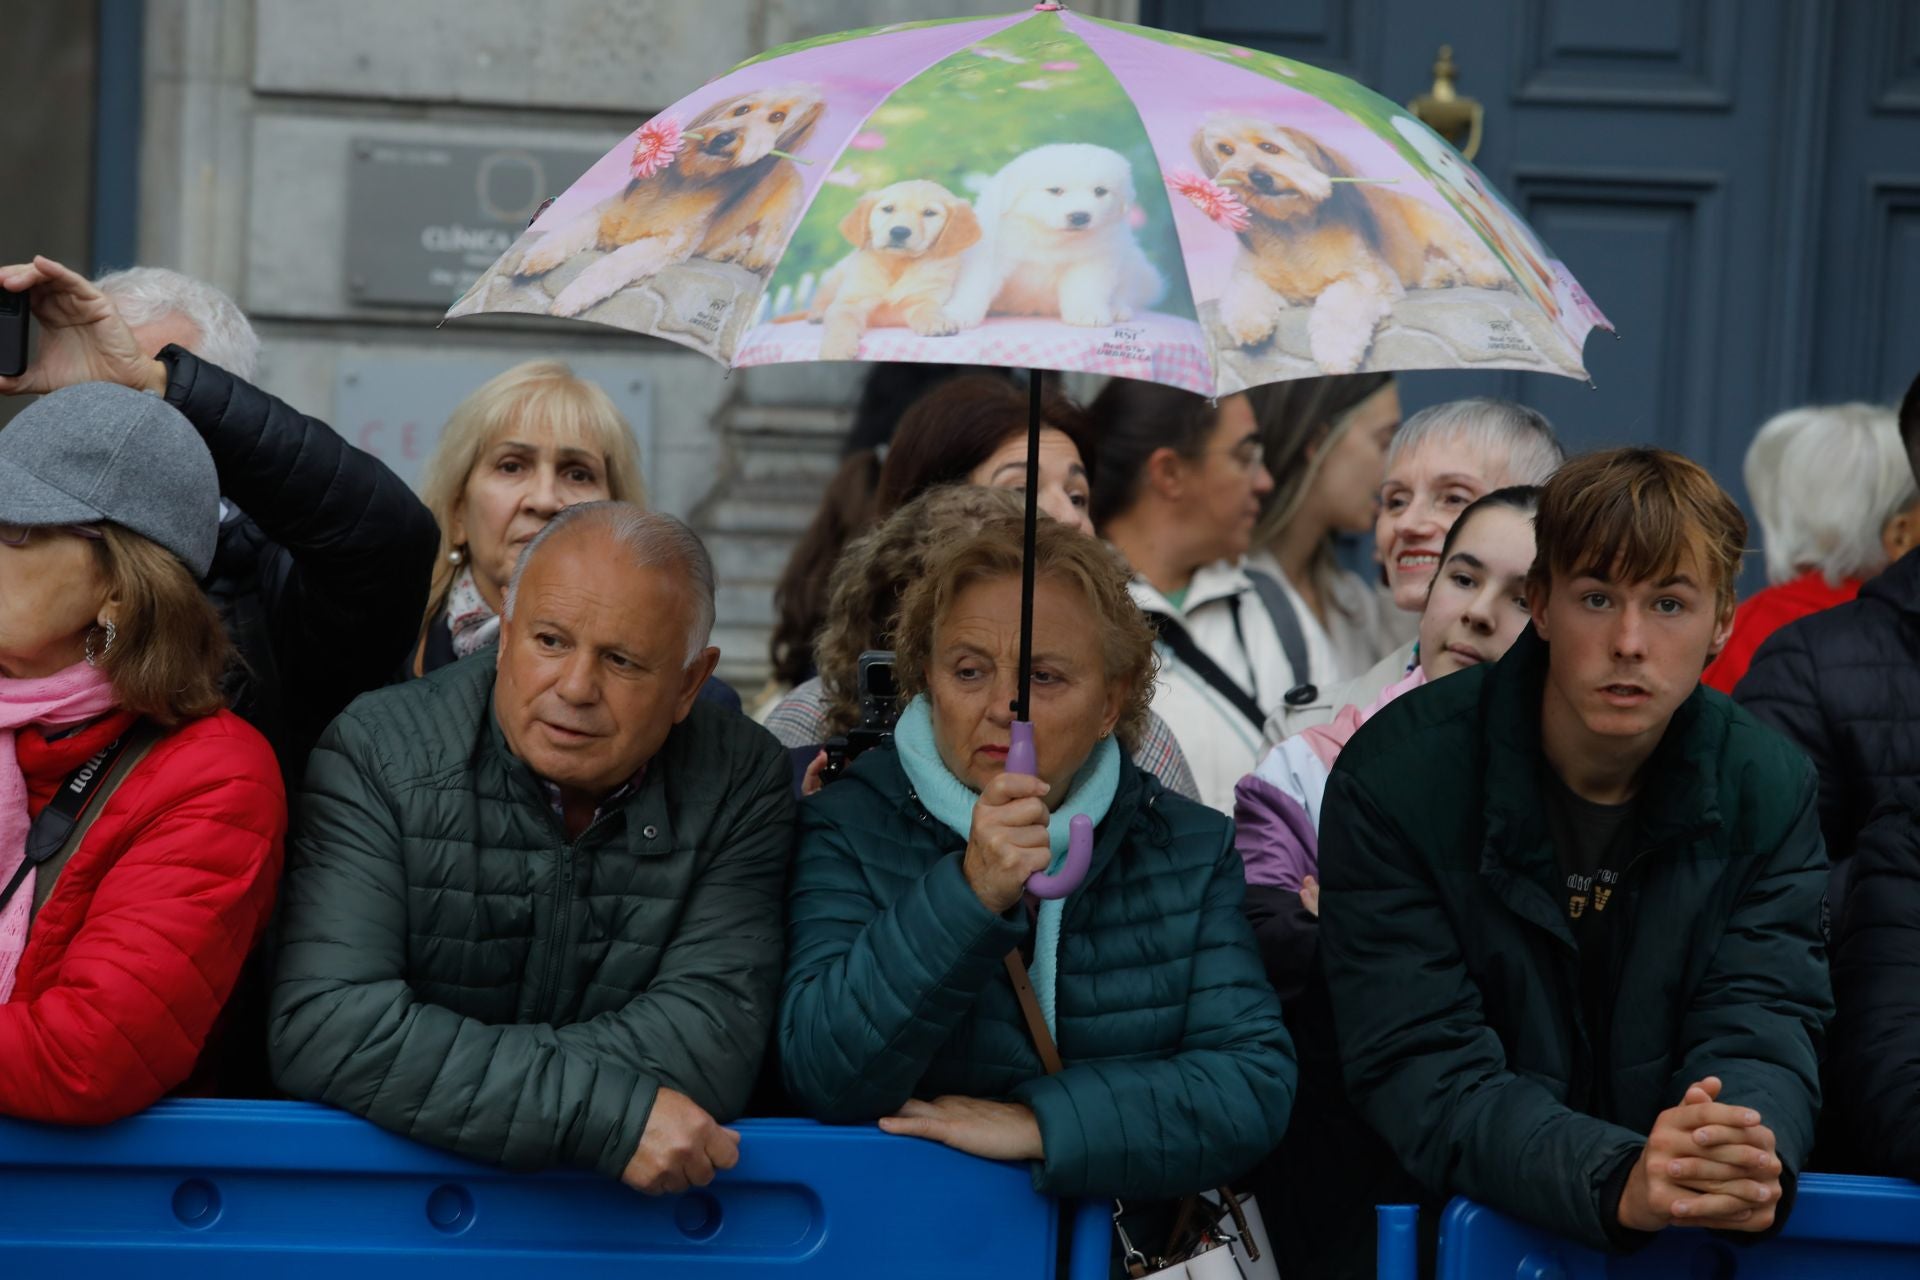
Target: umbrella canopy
{"x":1048,"y":190}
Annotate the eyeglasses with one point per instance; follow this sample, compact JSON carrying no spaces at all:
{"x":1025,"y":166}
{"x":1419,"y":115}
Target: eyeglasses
{"x":1249,"y":454}
{"x":18,"y":535}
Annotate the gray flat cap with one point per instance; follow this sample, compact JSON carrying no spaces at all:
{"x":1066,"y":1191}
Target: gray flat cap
{"x":104,"y":452}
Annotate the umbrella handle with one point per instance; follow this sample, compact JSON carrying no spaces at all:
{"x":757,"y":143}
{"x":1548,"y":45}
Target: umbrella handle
{"x":1021,"y":759}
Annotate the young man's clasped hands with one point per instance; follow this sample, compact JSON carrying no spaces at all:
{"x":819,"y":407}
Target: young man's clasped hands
{"x":1706,"y":1164}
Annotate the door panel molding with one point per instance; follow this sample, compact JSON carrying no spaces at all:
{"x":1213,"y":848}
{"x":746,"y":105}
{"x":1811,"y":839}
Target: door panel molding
{"x":1896,"y":83}
{"x":1884,"y":320}
{"x":1568,"y":54}
{"x":1337,"y":35}
{"x":1670,"y":340}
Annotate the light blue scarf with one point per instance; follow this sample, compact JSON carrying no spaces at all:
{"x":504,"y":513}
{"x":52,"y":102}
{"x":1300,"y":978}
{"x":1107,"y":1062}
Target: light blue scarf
{"x":951,"y":803}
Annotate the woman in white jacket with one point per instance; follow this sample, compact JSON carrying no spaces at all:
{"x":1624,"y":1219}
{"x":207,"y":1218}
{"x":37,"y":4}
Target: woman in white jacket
{"x":1177,"y":490}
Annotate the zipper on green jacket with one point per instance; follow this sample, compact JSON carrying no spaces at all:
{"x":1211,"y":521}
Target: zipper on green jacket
{"x":560,"y":922}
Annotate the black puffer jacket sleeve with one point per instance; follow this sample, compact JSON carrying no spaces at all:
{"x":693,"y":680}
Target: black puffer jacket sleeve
{"x":342,"y":577}
{"x":1876,"y":977}
{"x":1782,"y":688}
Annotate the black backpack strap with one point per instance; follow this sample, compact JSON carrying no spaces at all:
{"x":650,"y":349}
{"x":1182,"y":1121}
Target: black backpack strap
{"x":1286,"y":621}
{"x":1177,"y":639}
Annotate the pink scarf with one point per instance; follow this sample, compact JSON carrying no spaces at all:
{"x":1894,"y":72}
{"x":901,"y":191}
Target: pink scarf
{"x":74,"y":696}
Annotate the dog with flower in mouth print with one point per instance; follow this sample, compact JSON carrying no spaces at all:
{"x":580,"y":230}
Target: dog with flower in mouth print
{"x":724,"y":188}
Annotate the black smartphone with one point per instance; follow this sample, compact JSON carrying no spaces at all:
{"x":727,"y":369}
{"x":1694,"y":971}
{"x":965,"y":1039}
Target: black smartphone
{"x":14,"y":318}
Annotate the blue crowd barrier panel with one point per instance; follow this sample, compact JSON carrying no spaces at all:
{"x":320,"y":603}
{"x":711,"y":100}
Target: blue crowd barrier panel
{"x":1840,"y":1229}
{"x":213,"y":1189}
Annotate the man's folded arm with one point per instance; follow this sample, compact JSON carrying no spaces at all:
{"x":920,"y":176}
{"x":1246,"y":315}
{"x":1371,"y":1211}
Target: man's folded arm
{"x":347,"y":1028}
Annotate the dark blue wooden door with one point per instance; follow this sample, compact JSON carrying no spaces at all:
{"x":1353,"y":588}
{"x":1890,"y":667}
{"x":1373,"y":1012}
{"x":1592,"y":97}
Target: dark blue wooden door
{"x":1736,"y":182}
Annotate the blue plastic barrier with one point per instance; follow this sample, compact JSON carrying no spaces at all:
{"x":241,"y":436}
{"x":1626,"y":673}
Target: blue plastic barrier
{"x":248,"y":1189}
{"x":1840,"y":1229}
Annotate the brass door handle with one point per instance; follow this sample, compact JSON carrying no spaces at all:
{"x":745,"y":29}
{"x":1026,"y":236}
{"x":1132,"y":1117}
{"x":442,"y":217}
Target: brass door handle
{"x":1459,"y":120}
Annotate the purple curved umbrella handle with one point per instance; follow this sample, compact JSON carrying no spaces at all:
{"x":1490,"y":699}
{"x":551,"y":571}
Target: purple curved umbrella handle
{"x":1021,"y":759}
{"x":1074,"y":869}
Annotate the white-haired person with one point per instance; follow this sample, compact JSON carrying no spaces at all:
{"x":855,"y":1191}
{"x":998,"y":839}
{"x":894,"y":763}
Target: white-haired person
{"x":1837,"y":503}
{"x":323,"y":554}
{"x":527,"y":444}
{"x":1440,"y":462}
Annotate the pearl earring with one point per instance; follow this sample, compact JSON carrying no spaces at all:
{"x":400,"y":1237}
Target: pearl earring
{"x":456,"y":556}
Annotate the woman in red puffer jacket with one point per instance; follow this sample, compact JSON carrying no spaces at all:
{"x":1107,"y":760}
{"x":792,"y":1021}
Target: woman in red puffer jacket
{"x":117,"y":960}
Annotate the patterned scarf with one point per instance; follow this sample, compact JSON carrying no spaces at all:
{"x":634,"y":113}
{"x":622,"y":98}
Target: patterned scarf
{"x":74,"y":696}
{"x":470,"y":619}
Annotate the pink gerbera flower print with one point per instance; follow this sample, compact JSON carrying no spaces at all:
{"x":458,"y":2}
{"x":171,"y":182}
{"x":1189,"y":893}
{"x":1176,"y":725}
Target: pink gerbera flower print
{"x":1210,"y":198}
{"x":655,"y":146}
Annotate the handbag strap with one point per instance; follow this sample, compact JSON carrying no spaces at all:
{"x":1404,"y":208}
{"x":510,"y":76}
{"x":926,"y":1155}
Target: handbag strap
{"x":1030,"y":1007}
{"x":1050,"y":1059}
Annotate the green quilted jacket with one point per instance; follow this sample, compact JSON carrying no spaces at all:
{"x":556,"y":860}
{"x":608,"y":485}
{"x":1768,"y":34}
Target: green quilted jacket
{"x":455,"y":970}
{"x":1179,"y":1073}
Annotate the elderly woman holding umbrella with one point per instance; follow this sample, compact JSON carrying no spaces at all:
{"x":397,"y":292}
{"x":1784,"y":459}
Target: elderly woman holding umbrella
{"x":911,"y":935}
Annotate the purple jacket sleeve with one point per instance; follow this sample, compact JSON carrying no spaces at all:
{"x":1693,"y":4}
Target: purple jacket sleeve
{"x":1274,"y":835}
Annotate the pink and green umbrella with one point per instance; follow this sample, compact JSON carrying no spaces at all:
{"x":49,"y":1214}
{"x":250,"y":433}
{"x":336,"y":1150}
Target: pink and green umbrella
{"x":1049,"y":191}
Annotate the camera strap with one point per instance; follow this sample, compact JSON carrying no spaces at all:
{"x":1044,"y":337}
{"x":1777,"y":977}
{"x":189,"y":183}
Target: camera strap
{"x":63,"y":824}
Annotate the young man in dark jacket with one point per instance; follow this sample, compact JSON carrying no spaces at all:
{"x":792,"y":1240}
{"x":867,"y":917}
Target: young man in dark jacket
{"x":532,"y":912}
{"x":1572,"y":910}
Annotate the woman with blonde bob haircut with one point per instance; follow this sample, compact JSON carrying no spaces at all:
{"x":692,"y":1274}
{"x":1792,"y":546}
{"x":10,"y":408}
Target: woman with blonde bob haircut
{"x":141,"y":823}
{"x":529,"y":443}
{"x":910,"y":939}
{"x":1837,"y":504}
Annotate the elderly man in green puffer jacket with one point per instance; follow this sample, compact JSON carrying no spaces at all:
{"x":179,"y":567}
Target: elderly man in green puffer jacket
{"x":534,"y":915}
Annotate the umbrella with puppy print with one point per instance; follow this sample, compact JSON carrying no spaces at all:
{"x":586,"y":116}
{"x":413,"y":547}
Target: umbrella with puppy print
{"x":1046,"y":190}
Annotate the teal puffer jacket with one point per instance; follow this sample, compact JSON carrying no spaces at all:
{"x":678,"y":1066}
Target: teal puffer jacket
{"x":456,"y":970}
{"x":1179,"y":1073}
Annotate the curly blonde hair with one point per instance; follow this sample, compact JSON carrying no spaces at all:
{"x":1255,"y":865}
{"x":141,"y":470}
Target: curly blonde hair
{"x":864,"y":592}
{"x":1061,"y":555}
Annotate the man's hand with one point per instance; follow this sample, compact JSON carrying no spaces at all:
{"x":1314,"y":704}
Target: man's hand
{"x":681,"y":1147}
{"x":1310,"y":895}
{"x":1705,"y":1164}
{"x":1008,"y":840}
{"x":82,"y":337}
{"x":990,"y":1130}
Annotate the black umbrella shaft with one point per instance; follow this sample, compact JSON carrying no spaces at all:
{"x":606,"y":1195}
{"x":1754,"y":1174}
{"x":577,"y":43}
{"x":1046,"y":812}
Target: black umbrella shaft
{"x":1026,"y":559}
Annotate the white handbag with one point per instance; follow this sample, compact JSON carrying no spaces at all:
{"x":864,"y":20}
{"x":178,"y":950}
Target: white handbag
{"x":1235,"y":1248}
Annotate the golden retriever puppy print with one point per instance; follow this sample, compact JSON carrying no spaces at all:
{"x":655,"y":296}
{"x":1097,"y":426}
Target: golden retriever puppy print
{"x":907,"y":241}
{"x":1348,"y":251}
{"x":726,"y":196}
{"x":1055,"y":241}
